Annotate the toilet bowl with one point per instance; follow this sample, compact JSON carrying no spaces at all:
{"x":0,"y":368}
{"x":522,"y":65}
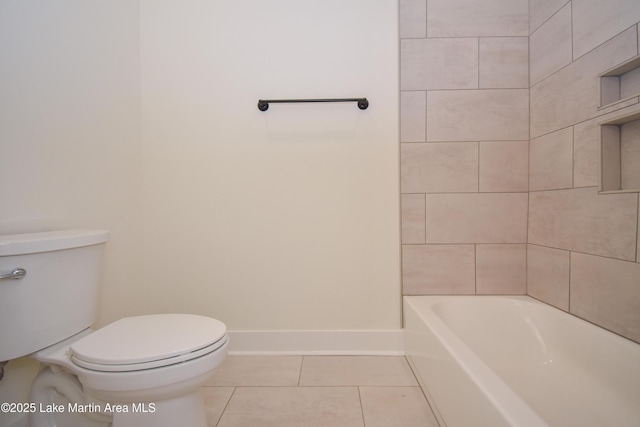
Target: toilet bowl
{"x":144,"y":370}
{"x":137,"y":371}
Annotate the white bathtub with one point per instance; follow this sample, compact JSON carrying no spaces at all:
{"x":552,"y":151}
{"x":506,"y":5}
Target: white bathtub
{"x":491,"y":361}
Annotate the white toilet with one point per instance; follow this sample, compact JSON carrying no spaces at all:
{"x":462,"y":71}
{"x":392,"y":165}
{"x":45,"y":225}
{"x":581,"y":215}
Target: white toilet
{"x":138,"y":371}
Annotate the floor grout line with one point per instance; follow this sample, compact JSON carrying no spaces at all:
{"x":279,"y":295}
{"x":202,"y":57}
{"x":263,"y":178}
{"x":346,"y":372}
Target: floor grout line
{"x":236,"y":402}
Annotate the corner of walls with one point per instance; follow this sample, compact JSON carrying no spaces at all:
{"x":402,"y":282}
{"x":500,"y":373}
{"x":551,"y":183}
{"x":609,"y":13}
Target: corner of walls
{"x":505,"y":200}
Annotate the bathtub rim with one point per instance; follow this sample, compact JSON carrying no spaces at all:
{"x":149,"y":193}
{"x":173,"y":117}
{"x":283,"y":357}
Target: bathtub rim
{"x":511,"y":407}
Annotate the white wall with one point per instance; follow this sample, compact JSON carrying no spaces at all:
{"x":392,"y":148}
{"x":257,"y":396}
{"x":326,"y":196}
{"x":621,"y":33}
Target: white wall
{"x":280,"y":220}
{"x":285,"y":219}
{"x":70,"y":152}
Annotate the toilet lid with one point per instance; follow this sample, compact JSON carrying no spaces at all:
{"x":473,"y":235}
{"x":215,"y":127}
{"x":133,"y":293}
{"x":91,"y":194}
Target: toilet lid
{"x":151,"y":338}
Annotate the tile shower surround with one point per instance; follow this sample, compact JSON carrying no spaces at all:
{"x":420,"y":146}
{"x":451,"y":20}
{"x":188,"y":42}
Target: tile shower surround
{"x":500,"y":154}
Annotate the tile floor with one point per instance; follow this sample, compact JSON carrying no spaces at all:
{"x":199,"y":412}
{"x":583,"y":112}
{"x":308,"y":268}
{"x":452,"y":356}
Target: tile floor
{"x":309,"y":391}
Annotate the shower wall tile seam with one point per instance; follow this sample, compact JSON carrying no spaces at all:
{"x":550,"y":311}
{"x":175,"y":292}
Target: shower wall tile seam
{"x":475,"y":276}
{"x":484,"y":243}
{"x":471,"y":192}
{"x":470,"y":37}
{"x":563,"y":189}
{"x":580,"y":252}
{"x":569,"y":286}
{"x":574,"y":59}
{"x":440,"y":141}
{"x":603,"y":43}
{"x":550,"y":16}
{"x":573,"y":156}
{"x":426,"y":116}
{"x":472,"y":89}
{"x":479,"y":171}
{"x":600,"y":113}
{"x":478,"y":63}
{"x":424,"y":219}
{"x":573,"y":56}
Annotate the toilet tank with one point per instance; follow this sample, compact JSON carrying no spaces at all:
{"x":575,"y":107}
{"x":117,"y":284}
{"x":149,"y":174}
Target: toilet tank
{"x":57,"y":296}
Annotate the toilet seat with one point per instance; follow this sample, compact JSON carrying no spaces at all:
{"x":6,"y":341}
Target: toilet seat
{"x":146,"y":342}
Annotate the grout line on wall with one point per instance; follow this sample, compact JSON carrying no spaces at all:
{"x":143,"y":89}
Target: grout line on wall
{"x":424,"y":198}
{"x":479,"y":163}
{"x":571,"y":18}
{"x":475,"y":243}
{"x":564,"y":189}
{"x":577,"y":59}
{"x":484,"y":192}
{"x":573,"y":251}
{"x":526,"y":262}
{"x":440,"y":141}
{"x":426,"y":107}
{"x":475,"y":270}
{"x":619,"y":157}
{"x":300,"y":371}
{"x":426,"y":19}
{"x":569,"y":287}
{"x":638,"y":230}
{"x":546,"y":20}
{"x":478,"y":63}
{"x":573,"y":156}
{"x":470,"y":89}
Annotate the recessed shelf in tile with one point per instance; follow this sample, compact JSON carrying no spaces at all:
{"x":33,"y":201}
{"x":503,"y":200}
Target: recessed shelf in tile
{"x":620,"y":83}
{"x":620,"y":154}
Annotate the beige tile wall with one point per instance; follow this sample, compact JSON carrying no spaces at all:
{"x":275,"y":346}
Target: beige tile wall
{"x":606,"y":292}
{"x":548,"y":272}
{"x":413,"y":215}
{"x":473,"y":18}
{"x":582,"y":220}
{"x":582,"y":255}
{"x":439,"y":167}
{"x":476,"y":218}
{"x":501,"y":269}
{"x":541,"y":10}
{"x":517,"y":81}
{"x":503,"y":62}
{"x":422,"y":61}
{"x":551,"y":161}
{"x":570,"y":95}
{"x":504,"y":166}
{"x":464,"y":145}
{"x":595,"y":21}
{"x":438,"y":269}
{"x":551,"y":45}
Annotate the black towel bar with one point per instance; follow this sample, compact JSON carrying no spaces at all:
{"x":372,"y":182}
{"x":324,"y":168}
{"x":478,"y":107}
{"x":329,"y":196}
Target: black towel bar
{"x":263,"y":104}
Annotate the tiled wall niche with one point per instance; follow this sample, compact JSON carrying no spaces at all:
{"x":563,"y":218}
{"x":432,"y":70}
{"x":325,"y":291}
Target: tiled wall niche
{"x":620,"y":83}
{"x":582,"y":252}
{"x":474,"y":174}
{"x":620,"y":155}
{"x":620,"y":136}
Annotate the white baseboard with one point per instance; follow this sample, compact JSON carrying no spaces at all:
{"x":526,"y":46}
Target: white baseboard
{"x":365,"y":342}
